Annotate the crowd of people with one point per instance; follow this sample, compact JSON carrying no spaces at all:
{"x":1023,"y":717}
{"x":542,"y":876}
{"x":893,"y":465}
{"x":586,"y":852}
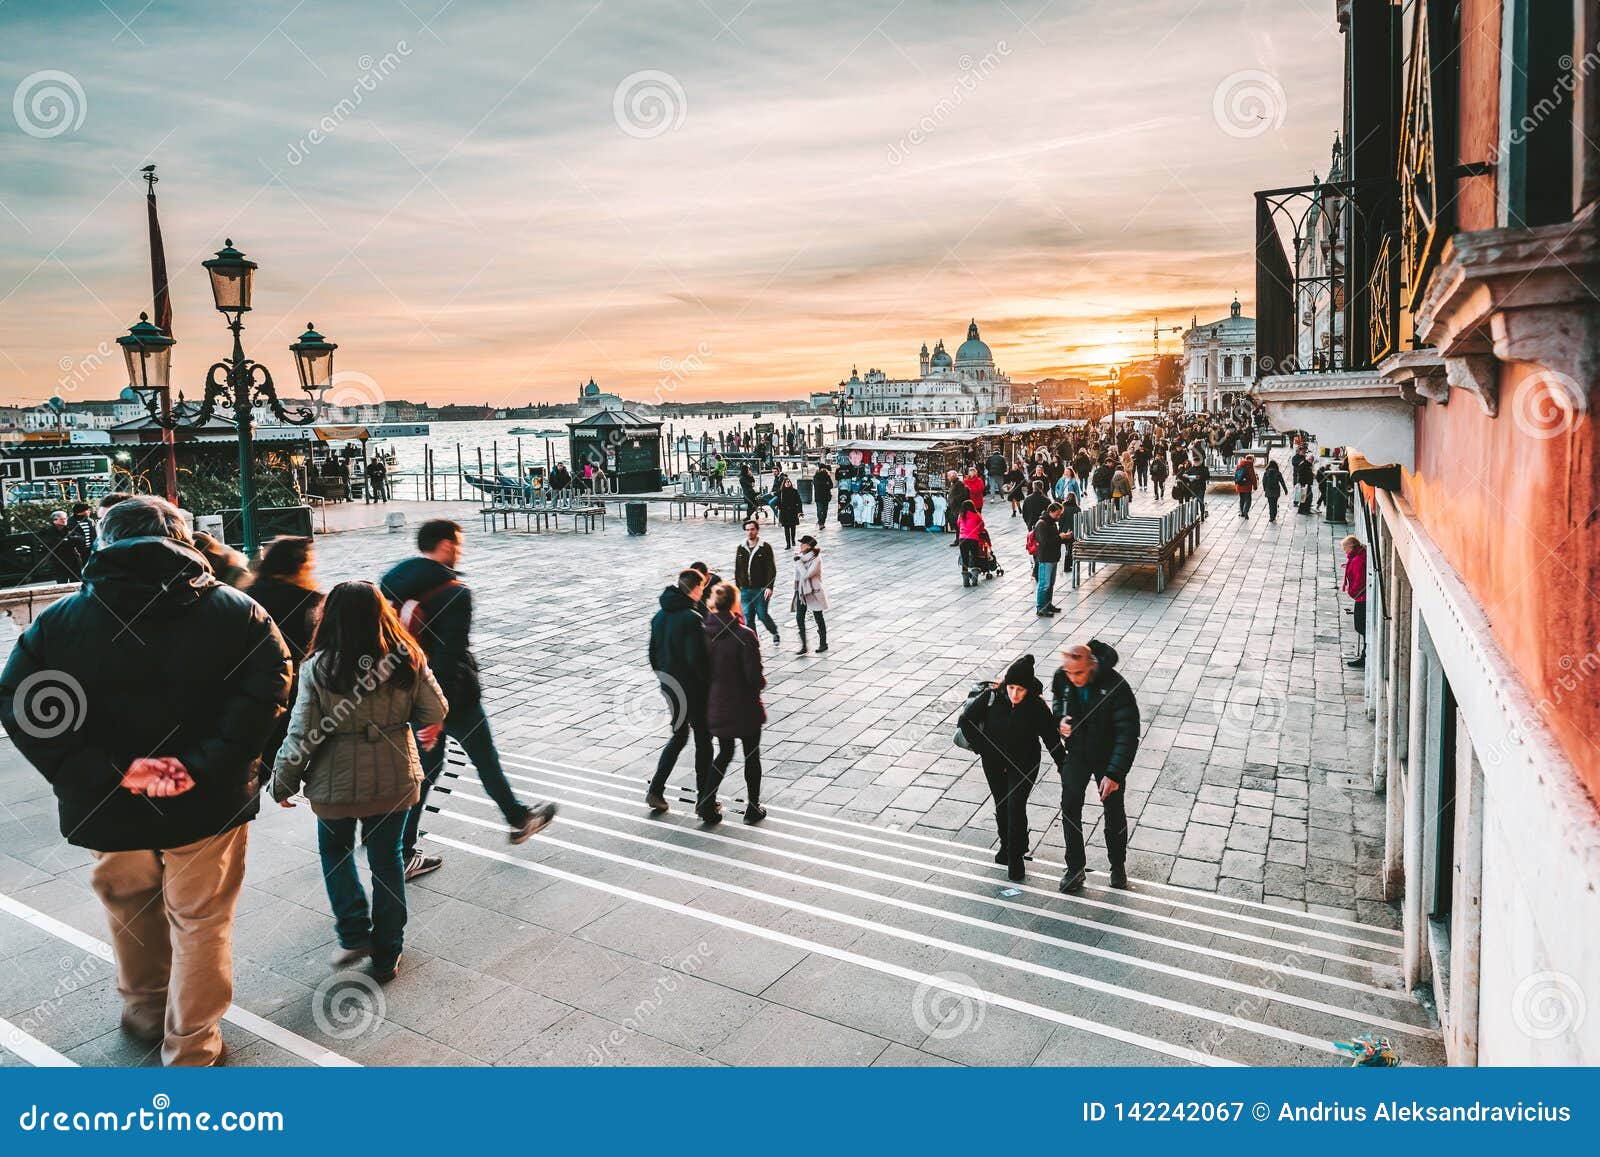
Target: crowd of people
{"x":192,"y":683}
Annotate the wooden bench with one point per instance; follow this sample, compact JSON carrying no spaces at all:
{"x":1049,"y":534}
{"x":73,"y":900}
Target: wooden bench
{"x":1107,"y":534}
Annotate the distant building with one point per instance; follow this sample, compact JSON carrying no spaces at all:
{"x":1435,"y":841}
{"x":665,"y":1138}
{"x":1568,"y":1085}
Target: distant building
{"x":592,"y":400}
{"x":1218,"y":361}
{"x":967,"y":388}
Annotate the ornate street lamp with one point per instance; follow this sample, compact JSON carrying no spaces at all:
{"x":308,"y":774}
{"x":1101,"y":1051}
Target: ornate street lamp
{"x":148,"y":352}
{"x":236,"y":385}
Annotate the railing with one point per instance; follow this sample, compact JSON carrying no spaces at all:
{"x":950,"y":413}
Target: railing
{"x":1381,"y":292}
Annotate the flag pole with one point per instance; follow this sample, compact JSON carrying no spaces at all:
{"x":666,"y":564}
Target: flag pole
{"x":163,"y":320}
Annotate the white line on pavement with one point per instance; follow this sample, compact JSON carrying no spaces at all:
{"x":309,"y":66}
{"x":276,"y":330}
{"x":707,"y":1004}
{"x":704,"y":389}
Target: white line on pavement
{"x":1394,"y":993}
{"x":1196,"y":1011}
{"x":31,"y":1048}
{"x":543,"y":764}
{"x":844,"y":955}
{"x":1052,"y":894}
{"x":275,"y":1034}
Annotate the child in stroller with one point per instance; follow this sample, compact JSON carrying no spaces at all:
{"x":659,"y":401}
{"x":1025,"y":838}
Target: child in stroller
{"x":984,"y":561}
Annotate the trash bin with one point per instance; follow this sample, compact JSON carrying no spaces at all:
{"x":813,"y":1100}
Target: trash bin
{"x":1335,"y":503}
{"x":638,"y":515}
{"x":804,"y":486}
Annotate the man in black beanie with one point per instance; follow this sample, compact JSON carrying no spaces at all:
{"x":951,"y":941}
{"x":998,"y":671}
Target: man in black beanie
{"x":1100,"y":722}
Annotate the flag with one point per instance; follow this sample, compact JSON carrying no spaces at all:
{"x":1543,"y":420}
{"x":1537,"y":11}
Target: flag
{"x":158,"y":262}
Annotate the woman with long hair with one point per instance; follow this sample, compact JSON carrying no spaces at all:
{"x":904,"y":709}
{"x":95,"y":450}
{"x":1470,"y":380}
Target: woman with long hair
{"x":969,"y":536}
{"x":733,"y":704}
{"x":350,"y":749}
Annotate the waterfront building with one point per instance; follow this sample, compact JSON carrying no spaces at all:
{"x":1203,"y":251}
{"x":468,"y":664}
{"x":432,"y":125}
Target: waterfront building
{"x":1218,"y":361}
{"x":967,"y":388}
{"x":593,"y":400}
{"x":1452,"y":344}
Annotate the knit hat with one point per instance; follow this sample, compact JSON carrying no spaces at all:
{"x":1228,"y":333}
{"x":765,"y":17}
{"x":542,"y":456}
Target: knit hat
{"x":1020,"y":673}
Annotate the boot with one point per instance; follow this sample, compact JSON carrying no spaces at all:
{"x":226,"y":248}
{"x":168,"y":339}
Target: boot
{"x":822,"y":636}
{"x":805,"y":644}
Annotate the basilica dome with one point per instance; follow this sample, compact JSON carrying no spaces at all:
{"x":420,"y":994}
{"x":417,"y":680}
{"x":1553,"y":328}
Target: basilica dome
{"x":974,"y":353}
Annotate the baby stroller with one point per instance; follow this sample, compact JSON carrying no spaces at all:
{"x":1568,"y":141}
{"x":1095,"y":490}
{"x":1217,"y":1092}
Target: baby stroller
{"x":984,"y":562}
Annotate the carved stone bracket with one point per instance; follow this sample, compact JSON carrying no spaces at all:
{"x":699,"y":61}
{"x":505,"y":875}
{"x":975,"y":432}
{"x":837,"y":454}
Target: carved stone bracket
{"x":1420,"y":374}
{"x":1530,"y":296}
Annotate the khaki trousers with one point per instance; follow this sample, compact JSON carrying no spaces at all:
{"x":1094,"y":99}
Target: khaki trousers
{"x":171,"y":916}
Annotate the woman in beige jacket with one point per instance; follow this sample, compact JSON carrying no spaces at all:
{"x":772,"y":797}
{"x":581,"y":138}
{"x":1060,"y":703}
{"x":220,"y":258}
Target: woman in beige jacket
{"x":350,"y":748}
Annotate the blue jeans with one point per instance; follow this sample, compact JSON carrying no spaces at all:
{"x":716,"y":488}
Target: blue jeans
{"x":1047,"y":585}
{"x":383,"y":927}
{"x":468,"y":726}
{"x":754,"y":602}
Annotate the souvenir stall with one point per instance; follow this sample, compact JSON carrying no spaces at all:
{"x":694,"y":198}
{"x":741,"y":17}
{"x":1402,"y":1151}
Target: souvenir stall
{"x":886,"y":483}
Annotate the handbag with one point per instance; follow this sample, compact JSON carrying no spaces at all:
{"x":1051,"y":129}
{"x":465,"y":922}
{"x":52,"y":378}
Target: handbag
{"x":980,"y":691}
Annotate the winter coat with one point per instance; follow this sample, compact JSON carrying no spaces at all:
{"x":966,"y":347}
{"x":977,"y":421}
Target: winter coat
{"x":975,"y":491}
{"x":1047,"y":536}
{"x":63,"y":552}
{"x":755,"y":569}
{"x":1272,"y":483}
{"x":1010,"y":736}
{"x":789,"y":506}
{"x":1304,"y":471}
{"x":822,"y":487}
{"x":1033,"y":508}
{"x":1104,"y":714}
{"x":293,"y":610}
{"x":1158,"y":469}
{"x":958,"y":494}
{"x":1121,"y":484}
{"x":808,"y":592}
{"x":446,"y":632}
{"x":678,"y":646}
{"x":1244,"y":476}
{"x":733,"y":656}
{"x":353,"y":752}
{"x":152,"y":657}
{"x":1101,"y":478}
{"x":970,"y":525}
{"x":1355,"y":576}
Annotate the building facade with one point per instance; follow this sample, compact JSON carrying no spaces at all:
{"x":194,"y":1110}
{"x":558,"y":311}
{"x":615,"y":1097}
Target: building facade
{"x":1218,"y":361}
{"x":593,"y":400}
{"x":967,"y":388}
{"x":1461,"y":371}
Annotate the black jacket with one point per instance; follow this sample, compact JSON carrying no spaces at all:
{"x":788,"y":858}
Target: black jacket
{"x":1011,"y":736}
{"x":1033,"y":508}
{"x":293,"y":610}
{"x":789,"y":506}
{"x":1105,"y":717}
{"x":446,"y":633}
{"x":755,"y":570}
{"x":1272,"y":482}
{"x":1100,"y":479}
{"x":153,"y":657}
{"x":1047,"y":535}
{"x":678,"y":646}
{"x":821,"y":487}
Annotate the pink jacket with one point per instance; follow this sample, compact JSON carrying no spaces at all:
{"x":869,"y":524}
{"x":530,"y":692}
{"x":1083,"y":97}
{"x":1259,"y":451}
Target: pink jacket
{"x":1355,"y":576}
{"x":970,"y":525}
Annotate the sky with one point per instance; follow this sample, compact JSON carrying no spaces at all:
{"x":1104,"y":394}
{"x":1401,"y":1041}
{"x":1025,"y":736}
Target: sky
{"x":488,"y":201}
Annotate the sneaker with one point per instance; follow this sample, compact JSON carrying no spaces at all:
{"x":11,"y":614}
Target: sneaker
{"x":656,"y":801}
{"x":1119,"y":879}
{"x":1053,"y":609}
{"x":754,"y":813}
{"x":803,"y":651}
{"x":342,"y":957}
{"x":383,"y":971}
{"x":420,"y":865}
{"x":1072,"y":882}
{"x":533,"y":822}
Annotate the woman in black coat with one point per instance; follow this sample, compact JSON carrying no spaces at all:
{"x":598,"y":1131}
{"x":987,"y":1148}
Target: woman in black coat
{"x":1006,"y":725}
{"x":790,"y":508}
{"x":283,"y":586}
{"x":733,"y":706}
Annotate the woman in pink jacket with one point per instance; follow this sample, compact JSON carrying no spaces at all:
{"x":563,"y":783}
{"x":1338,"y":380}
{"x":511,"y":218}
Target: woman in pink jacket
{"x":969,"y":536}
{"x":1355,"y":585}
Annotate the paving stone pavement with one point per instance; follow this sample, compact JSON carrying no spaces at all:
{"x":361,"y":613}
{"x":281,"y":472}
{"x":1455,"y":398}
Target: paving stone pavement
{"x":865,"y":922}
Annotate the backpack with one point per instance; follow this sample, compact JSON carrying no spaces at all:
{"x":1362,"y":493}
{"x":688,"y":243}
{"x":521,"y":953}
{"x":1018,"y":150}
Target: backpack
{"x":1238,"y":476}
{"x":982,"y":690}
{"x":1032,"y":545}
{"x":414,"y":615}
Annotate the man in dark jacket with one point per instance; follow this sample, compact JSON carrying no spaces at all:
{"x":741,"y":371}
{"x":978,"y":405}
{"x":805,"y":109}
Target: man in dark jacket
{"x":1100,"y":722}
{"x":1047,"y":538}
{"x":83,"y":529}
{"x":144,"y":699}
{"x":1035,"y":504}
{"x":64,"y":555}
{"x":755,"y":573}
{"x":1100,"y":479}
{"x":822,"y":494}
{"x":678,"y":657}
{"x":1304,"y":473}
{"x":436,"y":606}
{"x":996,"y":466}
{"x":1197,"y":476}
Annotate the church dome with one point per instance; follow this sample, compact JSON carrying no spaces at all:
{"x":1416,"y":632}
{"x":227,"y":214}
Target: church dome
{"x":941,"y":359}
{"x":974,"y":352}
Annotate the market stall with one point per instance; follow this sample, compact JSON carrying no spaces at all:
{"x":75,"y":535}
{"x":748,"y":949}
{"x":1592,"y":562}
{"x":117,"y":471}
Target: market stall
{"x":893,"y":483}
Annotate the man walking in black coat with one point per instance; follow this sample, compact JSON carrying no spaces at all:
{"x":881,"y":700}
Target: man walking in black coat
{"x":678,"y":657}
{"x":436,"y":606}
{"x":1100,"y":722}
{"x":822,"y":494}
{"x":145,"y":699}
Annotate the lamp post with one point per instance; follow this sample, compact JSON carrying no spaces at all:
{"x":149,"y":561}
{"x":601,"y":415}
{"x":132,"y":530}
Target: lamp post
{"x":237,"y":384}
{"x":1111,"y":396}
{"x":148,"y":352}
